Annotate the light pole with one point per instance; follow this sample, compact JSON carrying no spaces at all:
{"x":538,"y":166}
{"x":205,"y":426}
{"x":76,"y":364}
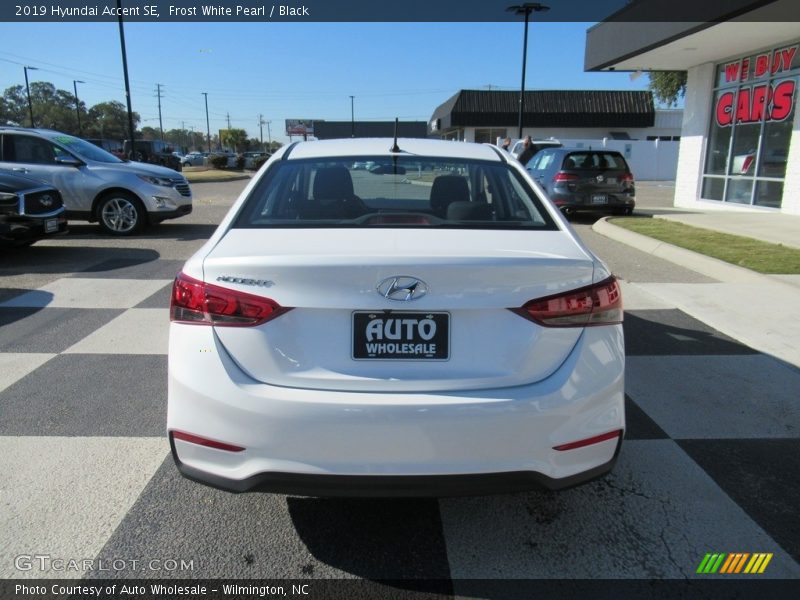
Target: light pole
{"x":28,"y":91}
{"x":208,"y":124}
{"x":525,"y":9}
{"x":269,"y":136}
{"x":352,"y":117}
{"x":131,"y":129}
{"x":75,"y":83}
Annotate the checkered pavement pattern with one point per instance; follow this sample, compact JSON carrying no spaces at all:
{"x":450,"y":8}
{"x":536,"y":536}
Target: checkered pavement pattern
{"x":710,"y":462}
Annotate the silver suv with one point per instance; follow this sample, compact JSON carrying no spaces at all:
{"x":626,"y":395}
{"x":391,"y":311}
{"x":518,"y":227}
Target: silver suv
{"x":97,"y":186}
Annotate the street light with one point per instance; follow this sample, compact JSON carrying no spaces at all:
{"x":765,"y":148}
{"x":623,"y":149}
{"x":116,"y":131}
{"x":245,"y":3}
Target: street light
{"x":75,"y":83}
{"x":28,"y":91}
{"x":525,"y":9}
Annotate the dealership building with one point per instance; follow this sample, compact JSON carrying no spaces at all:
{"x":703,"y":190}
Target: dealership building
{"x":740,"y":136}
{"x":483,"y":116}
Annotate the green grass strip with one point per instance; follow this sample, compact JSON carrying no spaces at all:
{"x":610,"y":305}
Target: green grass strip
{"x":756,"y":255}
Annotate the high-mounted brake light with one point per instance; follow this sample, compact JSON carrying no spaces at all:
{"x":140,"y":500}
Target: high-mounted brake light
{"x":561,"y":177}
{"x":596,"y":304}
{"x":201,"y":303}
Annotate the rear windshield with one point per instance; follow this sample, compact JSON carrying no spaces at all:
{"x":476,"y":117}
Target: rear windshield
{"x":402,"y":191}
{"x":594,"y":161}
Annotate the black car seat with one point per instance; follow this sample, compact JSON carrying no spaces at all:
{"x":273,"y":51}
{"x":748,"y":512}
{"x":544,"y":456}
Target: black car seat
{"x":333,"y":196}
{"x":445,"y":190}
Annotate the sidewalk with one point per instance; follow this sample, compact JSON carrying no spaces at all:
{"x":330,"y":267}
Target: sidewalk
{"x":758,"y":310}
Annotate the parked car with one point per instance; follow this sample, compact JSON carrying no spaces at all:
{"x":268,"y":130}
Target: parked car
{"x":363,"y":336}
{"x":155,"y":152}
{"x":194,"y":159}
{"x":580,"y":180}
{"x":519,"y":146}
{"x":115,"y":147}
{"x":251,"y":157}
{"x":30,"y":210}
{"x":95,"y":185}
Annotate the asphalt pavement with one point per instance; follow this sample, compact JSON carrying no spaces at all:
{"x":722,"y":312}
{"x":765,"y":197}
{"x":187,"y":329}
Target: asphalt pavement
{"x":708,"y":464}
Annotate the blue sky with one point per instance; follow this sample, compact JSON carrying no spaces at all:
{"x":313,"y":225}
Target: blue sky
{"x":292,"y":70}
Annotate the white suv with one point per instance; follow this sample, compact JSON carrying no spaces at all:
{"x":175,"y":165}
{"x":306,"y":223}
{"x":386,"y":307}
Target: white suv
{"x":97,"y":186}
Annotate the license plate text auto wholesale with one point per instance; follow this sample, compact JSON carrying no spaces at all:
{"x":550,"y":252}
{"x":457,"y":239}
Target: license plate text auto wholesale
{"x":406,"y":335}
{"x":50,"y":225}
{"x":599,"y":199}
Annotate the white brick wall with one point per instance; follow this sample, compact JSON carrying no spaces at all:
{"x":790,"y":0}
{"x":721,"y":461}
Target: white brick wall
{"x":696,"y":115}
{"x":791,"y":184}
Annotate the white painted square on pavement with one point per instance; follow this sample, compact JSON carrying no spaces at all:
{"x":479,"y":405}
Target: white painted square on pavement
{"x":74,"y":292}
{"x":635,"y":297}
{"x":14,"y":366}
{"x":136,"y":331}
{"x":65,"y":496}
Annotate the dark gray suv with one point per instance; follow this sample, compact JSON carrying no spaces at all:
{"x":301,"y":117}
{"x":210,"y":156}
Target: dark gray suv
{"x":581,"y":180}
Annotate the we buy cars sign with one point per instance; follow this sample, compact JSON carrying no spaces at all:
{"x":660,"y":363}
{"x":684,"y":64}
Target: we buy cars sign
{"x":771,"y":101}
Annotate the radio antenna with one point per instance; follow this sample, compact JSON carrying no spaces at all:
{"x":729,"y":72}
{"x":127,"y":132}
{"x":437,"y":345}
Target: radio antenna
{"x":395,"y":148}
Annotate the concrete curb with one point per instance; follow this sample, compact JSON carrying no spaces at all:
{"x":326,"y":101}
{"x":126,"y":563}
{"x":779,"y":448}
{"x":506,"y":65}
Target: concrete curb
{"x":218,"y":179}
{"x":700,"y":263}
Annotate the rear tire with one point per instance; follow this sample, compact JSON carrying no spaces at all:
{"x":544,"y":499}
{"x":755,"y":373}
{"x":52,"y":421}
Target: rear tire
{"x":121,"y":213}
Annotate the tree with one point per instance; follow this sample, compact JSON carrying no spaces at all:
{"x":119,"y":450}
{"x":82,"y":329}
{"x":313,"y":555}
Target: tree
{"x":150,"y":133}
{"x":234,"y":138}
{"x":109,"y":120}
{"x":668,"y":86}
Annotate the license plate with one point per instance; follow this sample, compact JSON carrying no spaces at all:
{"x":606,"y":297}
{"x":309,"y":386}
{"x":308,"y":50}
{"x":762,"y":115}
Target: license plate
{"x":599,"y":199}
{"x":401,"y":335}
{"x":50,"y":225}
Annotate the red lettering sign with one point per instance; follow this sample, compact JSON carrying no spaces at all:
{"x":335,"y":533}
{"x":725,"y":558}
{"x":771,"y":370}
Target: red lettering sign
{"x":756,"y":103}
{"x":762,"y":64}
{"x":725,"y":109}
{"x":731,"y":72}
{"x":782,"y":100}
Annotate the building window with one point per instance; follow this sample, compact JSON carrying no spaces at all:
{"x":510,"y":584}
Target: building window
{"x":489,"y":136}
{"x":751,"y":127}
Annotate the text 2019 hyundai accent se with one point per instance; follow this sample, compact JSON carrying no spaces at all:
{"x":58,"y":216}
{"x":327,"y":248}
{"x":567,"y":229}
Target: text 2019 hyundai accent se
{"x":429,"y":326}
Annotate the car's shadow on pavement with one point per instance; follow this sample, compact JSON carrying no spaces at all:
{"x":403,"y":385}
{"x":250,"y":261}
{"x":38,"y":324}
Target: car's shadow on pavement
{"x":376,"y":538}
{"x":162,"y":231}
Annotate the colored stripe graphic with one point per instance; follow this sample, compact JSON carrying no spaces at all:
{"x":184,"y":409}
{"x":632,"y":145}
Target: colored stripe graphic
{"x":734,"y":562}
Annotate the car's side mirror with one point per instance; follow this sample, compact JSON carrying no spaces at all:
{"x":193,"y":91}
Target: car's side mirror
{"x":69,"y":161}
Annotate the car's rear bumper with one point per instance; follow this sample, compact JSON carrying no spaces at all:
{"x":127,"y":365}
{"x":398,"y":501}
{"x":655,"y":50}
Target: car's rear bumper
{"x":318,"y":442}
{"x":392,"y":486}
{"x":576,"y":202}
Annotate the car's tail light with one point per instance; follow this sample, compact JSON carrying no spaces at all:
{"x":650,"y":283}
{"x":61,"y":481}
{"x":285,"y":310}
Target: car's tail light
{"x":201,"y":441}
{"x":201,"y":303}
{"x":626,"y":180}
{"x":561,"y":177}
{"x":589,"y":441}
{"x":596,"y":304}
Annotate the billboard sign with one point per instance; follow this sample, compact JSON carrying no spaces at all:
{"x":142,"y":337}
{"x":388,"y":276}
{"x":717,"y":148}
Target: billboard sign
{"x":299,"y":127}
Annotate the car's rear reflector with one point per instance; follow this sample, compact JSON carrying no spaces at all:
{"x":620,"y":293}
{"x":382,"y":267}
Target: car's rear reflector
{"x":561,"y":176}
{"x":596,"y":304}
{"x":201,"y":441}
{"x":589,"y":441}
{"x":201,"y":303}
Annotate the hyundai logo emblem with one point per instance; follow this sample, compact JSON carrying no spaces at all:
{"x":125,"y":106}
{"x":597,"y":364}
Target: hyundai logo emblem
{"x":402,"y":289}
{"x":600,"y":179}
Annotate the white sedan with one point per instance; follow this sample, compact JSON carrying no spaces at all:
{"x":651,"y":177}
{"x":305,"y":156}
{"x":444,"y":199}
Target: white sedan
{"x":431,"y":326}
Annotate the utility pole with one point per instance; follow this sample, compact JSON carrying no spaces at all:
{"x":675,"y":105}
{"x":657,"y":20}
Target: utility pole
{"x":352,"y":117}
{"x":75,"y":83}
{"x":131,"y":130}
{"x":183,"y":133}
{"x":208,"y":125}
{"x":261,"y":129}
{"x":160,"y":122}
{"x":28,"y":90}
{"x":228,"y":116}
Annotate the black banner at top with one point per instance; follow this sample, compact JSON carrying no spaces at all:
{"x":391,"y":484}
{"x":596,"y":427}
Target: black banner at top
{"x":398,"y":11}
